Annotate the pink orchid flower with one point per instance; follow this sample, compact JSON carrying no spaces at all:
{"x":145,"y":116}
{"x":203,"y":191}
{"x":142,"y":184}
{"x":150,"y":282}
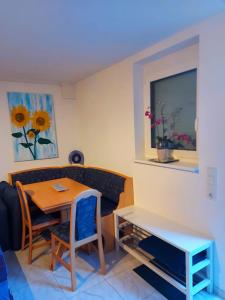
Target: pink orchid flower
{"x":184,"y":137}
{"x":158,"y":121}
{"x":149,"y":114}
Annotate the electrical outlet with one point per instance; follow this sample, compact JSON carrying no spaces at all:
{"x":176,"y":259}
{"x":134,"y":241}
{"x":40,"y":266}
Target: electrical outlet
{"x":211,"y":183}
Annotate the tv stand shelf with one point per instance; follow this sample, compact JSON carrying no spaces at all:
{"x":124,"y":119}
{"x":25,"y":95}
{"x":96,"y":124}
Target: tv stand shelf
{"x":133,"y":224}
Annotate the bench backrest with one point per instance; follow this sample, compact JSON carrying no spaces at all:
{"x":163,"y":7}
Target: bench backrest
{"x":109,"y":183}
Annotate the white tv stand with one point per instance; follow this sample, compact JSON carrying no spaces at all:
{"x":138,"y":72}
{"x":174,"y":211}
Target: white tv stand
{"x":133,"y":223}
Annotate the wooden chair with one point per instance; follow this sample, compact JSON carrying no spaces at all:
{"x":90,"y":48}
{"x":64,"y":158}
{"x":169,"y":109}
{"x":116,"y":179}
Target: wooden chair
{"x":35,"y":225}
{"x":84,"y":227}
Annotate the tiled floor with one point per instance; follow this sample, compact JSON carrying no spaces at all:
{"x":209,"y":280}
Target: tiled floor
{"x":37,"y":282}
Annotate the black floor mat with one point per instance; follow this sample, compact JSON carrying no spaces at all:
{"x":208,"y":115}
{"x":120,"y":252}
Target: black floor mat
{"x":165,"y":288}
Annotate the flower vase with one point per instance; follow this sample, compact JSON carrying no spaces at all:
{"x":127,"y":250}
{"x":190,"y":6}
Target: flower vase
{"x":164,"y":155}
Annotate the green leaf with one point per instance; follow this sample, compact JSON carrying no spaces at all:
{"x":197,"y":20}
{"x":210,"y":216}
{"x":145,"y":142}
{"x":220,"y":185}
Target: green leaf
{"x":17,"y":134}
{"x":26,"y":145}
{"x":43,"y":141}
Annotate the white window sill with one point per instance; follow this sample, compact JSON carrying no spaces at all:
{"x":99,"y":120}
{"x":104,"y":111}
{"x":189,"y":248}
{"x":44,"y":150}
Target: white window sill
{"x":181,"y":165}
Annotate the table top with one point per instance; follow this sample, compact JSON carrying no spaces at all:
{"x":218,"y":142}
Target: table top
{"x":48,"y":199}
{"x":175,"y":234}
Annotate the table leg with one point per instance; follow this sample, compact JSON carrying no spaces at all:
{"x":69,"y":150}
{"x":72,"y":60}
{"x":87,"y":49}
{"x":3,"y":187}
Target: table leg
{"x":65,"y":215}
{"x":116,"y":224}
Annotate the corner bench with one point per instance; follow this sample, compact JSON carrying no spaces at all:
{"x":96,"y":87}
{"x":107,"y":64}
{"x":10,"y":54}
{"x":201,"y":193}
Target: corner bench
{"x":116,"y":189}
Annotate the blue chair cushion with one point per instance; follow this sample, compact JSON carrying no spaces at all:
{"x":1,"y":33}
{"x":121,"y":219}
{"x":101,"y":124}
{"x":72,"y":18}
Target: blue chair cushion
{"x":86,"y":218}
{"x":62,"y":231}
{"x":85,"y":221}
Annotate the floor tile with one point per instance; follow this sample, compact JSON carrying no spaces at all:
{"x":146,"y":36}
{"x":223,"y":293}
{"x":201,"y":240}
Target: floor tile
{"x":43,"y":283}
{"x":16,"y":276}
{"x":23,"y":294}
{"x":155,"y":296}
{"x":86,"y":277}
{"x":41,"y":257}
{"x":118,"y":262}
{"x":37,"y":282}
{"x":18,"y":285}
{"x":40,"y":278}
{"x":130,"y":286}
{"x":204,"y":296}
{"x":101,"y":291}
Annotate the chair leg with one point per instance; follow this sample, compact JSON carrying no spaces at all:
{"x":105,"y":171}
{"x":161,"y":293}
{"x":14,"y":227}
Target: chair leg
{"x":23,"y":236}
{"x":53,"y":259}
{"x":101,"y":255}
{"x":30,"y":248}
{"x":60,"y":250}
{"x":73,"y":273}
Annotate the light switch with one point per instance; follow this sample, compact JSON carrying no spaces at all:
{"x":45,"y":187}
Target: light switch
{"x":211,"y":183}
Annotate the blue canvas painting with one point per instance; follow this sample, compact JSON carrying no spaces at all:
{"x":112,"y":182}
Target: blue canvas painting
{"x":33,"y":126}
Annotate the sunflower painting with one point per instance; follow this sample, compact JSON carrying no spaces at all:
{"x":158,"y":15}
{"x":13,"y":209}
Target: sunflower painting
{"x":33,"y":126}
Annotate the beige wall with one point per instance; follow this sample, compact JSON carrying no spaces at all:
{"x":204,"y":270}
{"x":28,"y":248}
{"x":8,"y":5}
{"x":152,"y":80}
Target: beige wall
{"x":66,"y":127}
{"x":106,"y":117}
{"x":105,"y":102}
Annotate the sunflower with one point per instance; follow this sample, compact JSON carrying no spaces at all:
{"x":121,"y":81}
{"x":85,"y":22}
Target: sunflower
{"x":41,"y":120}
{"x":31,"y":134}
{"x":20,"y":116}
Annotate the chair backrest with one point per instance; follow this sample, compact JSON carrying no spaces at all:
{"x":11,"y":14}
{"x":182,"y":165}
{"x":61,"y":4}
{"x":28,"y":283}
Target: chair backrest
{"x":24,"y":204}
{"x":85,"y":215}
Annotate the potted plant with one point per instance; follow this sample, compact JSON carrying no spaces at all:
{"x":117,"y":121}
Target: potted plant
{"x":166,"y":138}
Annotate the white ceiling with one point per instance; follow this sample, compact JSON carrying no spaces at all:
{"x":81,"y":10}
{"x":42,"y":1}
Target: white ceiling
{"x":67,"y":40}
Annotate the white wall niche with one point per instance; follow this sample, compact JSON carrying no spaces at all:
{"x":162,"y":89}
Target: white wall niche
{"x":178,"y":58}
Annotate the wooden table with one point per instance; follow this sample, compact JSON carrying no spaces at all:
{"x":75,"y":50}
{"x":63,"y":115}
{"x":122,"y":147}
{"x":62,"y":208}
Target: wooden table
{"x":49,"y":200}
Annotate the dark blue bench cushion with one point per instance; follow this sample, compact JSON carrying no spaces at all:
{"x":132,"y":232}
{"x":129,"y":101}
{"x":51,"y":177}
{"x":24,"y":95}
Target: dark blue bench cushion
{"x":33,"y":176}
{"x":11,"y":200}
{"x":107,"y":206}
{"x":75,"y":173}
{"x":5,"y":240}
{"x":110,"y":185}
{"x":3,"y":186}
